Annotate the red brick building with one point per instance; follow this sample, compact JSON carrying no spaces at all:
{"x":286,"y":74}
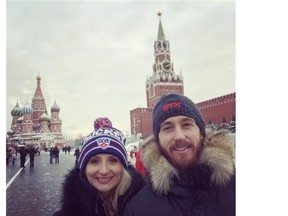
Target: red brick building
{"x":165,"y":80}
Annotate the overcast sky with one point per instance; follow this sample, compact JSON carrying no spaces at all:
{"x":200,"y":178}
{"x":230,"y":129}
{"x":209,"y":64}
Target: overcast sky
{"x":94,"y":57}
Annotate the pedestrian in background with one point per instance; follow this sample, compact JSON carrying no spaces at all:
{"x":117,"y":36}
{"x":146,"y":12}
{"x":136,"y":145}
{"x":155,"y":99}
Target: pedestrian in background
{"x":51,"y":155}
{"x":76,"y":154}
{"x":138,"y":164}
{"x":56,"y":154}
{"x":102,"y":183}
{"x":191,"y":170}
{"x":32,"y":153}
{"x":23,"y":153}
{"x":69,"y":149}
{"x":8,"y":155}
{"x":13,"y":155}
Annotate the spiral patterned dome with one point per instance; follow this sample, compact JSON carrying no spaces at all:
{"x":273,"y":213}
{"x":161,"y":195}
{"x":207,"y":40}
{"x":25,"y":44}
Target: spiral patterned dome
{"x":44,"y":117}
{"x":16,"y":111}
{"x":20,"y":119}
{"x":55,"y":107}
{"x":27,"y":109}
{"x":10,"y":132}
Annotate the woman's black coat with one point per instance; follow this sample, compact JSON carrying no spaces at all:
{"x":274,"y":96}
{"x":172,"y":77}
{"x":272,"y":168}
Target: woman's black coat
{"x":81,"y":199}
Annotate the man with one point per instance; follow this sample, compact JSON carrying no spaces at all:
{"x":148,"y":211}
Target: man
{"x":23,"y":153}
{"x":32,"y":152}
{"x":51,"y":154}
{"x":191,"y":170}
{"x":56,"y":154}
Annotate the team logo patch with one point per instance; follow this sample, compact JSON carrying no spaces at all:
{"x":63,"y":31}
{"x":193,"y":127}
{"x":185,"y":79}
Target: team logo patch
{"x":103,"y":143}
{"x":171,"y":105}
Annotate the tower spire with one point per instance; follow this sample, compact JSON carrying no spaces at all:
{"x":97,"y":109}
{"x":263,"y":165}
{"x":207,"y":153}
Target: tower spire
{"x":161,"y":35}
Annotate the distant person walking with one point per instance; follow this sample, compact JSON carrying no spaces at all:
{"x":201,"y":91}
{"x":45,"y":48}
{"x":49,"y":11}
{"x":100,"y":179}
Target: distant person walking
{"x":51,"y":155}
{"x":23,"y":153}
{"x":56,"y":154}
{"x":14,"y":156}
{"x":69,"y":149}
{"x":32,"y":152}
{"x":8,"y":155}
{"x":76,"y":154}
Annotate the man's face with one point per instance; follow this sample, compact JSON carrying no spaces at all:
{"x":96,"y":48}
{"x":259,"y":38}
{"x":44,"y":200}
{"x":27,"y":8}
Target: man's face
{"x":180,"y":141}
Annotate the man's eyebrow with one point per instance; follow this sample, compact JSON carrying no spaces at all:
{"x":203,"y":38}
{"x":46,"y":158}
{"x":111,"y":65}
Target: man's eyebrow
{"x":165,"y":123}
{"x":188,"y":119}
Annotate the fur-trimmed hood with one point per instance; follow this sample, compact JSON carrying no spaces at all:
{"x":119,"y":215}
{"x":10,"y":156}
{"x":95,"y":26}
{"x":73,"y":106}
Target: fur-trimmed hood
{"x":218,"y":155}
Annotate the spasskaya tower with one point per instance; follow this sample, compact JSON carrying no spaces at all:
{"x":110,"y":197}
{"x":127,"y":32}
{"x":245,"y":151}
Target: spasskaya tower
{"x":163,"y":80}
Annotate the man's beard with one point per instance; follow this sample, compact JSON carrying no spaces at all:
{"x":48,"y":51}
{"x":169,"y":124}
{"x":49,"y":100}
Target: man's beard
{"x":197,"y":148}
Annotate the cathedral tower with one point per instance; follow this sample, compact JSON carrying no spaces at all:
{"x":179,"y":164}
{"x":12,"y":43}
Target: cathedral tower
{"x":38,"y":105}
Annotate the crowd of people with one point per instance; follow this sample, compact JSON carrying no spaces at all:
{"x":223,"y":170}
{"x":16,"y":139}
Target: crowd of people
{"x":23,"y":151}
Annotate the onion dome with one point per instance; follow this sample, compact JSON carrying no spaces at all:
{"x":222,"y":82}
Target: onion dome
{"x":55,"y":107}
{"x":16,"y":111}
{"x":38,"y":78}
{"x":10,"y":132}
{"x":27,"y":109}
{"x":20,"y":119}
{"x":44,"y":117}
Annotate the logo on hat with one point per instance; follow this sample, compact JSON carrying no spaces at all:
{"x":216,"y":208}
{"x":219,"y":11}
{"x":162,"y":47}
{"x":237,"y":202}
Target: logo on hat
{"x":171,"y":105}
{"x":103,"y":143}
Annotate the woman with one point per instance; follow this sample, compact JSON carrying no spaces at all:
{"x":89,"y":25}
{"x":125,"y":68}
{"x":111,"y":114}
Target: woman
{"x":102,"y":182}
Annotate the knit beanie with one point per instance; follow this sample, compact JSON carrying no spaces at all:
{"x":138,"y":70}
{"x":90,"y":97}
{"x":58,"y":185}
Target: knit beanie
{"x":101,"y":122}
{"x":173,"y":104}
{"x":106,"y":140}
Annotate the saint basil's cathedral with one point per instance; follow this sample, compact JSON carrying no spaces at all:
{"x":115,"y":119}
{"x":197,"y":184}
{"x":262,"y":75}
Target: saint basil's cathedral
{"x":216,"y":111}
{"x":31,"y":125}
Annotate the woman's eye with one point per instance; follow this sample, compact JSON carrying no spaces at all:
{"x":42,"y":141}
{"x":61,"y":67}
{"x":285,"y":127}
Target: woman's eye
{"x":114,"y":160}
{"x":93,"y":161}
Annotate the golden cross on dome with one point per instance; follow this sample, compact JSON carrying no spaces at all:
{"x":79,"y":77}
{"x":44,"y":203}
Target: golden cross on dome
{"x":159,"y":14}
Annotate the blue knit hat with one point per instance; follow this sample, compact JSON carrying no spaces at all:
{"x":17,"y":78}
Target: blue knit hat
{"x":173,"y":104}
{"x":106,"y":140}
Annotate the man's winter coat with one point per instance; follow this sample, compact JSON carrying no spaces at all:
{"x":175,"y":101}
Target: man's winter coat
{"x":81,"y":199}
{"x":208,"y":189}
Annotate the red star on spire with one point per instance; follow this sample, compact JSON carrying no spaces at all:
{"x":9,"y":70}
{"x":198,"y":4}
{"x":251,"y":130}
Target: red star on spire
{"x":159,"y":14}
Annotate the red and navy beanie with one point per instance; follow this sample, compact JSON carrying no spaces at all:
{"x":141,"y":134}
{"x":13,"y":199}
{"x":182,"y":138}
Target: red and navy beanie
{"x":105,"y":140}
{"x":170,"y":105}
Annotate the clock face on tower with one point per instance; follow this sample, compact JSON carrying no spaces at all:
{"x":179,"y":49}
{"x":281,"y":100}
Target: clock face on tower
{"x":166,"y":65}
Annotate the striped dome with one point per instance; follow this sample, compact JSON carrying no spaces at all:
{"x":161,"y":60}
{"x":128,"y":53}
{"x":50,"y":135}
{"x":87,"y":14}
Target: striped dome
{"x":10,"y":132}
{"x":27,"y":109}
{"x":16,"y":111}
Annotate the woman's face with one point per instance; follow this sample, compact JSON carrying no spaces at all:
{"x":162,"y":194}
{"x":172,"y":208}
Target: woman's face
{"x":104,"y":172}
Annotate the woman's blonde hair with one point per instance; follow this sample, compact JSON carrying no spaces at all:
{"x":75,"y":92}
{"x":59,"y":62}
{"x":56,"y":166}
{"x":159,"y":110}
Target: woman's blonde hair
{"x":111,"y":202}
